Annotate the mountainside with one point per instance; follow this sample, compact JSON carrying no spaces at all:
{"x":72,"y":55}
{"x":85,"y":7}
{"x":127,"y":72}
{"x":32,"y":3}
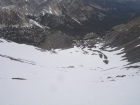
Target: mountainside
{"x":79,"y":15}
{"x":92,"y":69}
{"x":69,"y":52}
{"x":126,"y":36}
{"x":53,"y":24}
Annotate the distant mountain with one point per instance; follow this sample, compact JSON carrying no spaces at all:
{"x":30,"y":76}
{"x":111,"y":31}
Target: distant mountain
{"x":90,"y":15}
{"x":37,"y":21}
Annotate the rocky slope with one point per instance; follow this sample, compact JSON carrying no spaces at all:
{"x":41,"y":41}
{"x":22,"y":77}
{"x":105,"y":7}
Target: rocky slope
{"x":39,"y":22}
{"x":9,"y":16}
{"x":126,"y":36}
{"x":87,"y":15}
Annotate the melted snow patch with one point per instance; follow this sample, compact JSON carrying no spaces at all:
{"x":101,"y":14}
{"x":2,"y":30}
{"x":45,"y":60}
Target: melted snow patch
{"x":50,"y":10}
{"x":76,"y":21}
{"x":35,"y":23}
{"x":137,"y":45}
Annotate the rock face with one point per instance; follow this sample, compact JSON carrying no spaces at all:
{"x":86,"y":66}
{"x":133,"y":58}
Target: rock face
{"x":57,"y":40}
{"x":125,"y":33}
{"x":9,"y":16}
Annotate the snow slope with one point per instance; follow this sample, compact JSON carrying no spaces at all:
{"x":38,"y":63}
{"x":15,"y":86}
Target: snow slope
{"x":31,"y":76}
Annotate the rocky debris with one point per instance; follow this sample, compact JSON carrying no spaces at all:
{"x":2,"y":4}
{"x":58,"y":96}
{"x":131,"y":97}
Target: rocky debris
{"x":106,"y":61}
{"x":1,"y":41}
{"x":90,"y":36}
{"x":18,"y":60}
{"x":109,"y":77}
{"x":70,"y":67}
{"x":121,"y":76}
{"x":129,"y":67}
{"x":100,"y":55}
{"x":18,"y":79}
{"x":57,"y":40}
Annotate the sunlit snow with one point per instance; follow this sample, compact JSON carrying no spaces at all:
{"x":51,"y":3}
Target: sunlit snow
{"x":74,"y":76}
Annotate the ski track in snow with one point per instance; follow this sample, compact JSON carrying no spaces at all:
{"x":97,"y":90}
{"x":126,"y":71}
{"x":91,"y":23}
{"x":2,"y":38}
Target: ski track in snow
{"x":65,"y":77}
